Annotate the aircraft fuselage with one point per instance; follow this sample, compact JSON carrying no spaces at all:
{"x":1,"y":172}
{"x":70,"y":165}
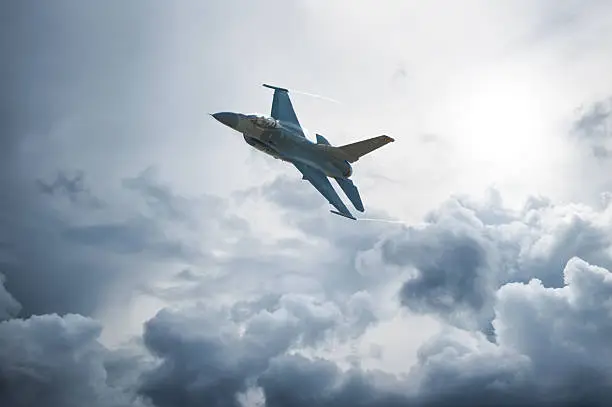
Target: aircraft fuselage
{"x":283,"y":141}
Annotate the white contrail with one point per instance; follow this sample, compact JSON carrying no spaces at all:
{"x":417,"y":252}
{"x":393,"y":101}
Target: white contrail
{"x":385,"y":220}
{"x":316,"y":96}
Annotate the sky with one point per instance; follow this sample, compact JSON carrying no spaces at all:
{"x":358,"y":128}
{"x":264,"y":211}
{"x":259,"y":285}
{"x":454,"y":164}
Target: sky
{"x":151,"y":258}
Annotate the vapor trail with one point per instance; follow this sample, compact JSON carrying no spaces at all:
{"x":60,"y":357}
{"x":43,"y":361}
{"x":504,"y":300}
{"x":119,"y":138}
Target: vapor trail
{"x":316,"y":96}
{"x":385,"y":220}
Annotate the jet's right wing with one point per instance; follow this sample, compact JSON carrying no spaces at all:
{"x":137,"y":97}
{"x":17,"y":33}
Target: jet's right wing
{"x":282,"y":109}
{"x":319,"y":180}
{"x":352,"y":152}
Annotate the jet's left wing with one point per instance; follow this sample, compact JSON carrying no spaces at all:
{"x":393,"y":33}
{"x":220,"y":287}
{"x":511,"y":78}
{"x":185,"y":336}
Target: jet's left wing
{"x":319,"y":180}
{"x":282,"y":109}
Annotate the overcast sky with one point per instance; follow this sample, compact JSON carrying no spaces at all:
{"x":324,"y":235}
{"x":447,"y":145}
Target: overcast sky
{"x":149,"y":257}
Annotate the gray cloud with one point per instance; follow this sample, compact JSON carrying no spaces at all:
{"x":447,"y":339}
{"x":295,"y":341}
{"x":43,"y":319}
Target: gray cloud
{"x":74,"y":188}
{"x":72,"y":98}
{"x":594,"y":123}
{"x":507,"y":365}
{"x":207,"y":358}
{"x":549,"y":352}
{"x":84,"y":88}
{"x":53,"y":360}
{"x":452,"y":273}
{"x":303,"y":196}
{"x":79,"y":252}
{"x":593,"y":127}
{"x":472,"y":249}
{"x":465,"y":252}
{"x":298,"y":381}
{"x":9,"y":307}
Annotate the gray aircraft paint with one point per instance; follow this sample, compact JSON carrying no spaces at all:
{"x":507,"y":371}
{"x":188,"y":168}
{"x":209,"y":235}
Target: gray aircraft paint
{"x":282,"y":137}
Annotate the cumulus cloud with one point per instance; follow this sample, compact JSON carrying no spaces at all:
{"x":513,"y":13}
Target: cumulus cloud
{"x":548,"y":352}
{"x":544,"y":345}
{"x":465,"y":251}
{"x":263,"y":302}
{"x":516,"y":340}
{"x":208,"y":358}
{"x":551,"y":349}
{"x":53,"y":360}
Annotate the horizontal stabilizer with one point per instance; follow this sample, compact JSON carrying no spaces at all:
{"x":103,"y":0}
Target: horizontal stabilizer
{"x":351,"y":192}
{"x":343,"y":215}
{"x":322,"y":140}
{"x":352,"y":152}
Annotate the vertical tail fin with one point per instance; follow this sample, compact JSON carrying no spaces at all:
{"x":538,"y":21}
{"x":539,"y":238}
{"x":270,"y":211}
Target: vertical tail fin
{"x":322,"y":140}
{"x":352,"y":152}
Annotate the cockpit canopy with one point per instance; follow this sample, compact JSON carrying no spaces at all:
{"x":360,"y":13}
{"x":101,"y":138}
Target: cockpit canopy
{"x":263,"y":121}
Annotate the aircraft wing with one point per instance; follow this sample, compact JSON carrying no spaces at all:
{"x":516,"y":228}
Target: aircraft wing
{"x":319,"y":180}
{"x":282,"y":109}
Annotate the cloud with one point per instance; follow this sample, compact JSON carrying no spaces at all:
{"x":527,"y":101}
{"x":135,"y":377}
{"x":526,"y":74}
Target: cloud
{"x":71,"y":187}
{"x":298,"y":381}
{"x":9,"y":307}
{"x":594,"y":123}
{"x":463,"y":252}
{"x":473,"y":262}
{"x":548,"y":352}
{"x":538,"y":345}
{"x":268,"y":296}
{"x":57,"y":360}
{"x":80,"y":253}
{"x":209,"y":358}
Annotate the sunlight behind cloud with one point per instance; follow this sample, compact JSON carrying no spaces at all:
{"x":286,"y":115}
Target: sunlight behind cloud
{"x":505,"y":122}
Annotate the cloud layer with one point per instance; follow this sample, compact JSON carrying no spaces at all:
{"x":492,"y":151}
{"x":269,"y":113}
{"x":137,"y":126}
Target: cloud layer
{"x":510,"y":339}
{"x":148,"y":258}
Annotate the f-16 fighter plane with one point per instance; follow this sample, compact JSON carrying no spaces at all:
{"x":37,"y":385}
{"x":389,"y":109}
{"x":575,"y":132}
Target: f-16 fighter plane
{"x":282,"y":137}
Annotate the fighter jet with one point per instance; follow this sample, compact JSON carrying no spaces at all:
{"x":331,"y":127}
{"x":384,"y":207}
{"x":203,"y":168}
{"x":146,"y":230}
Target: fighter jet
{"x":282,"y":137}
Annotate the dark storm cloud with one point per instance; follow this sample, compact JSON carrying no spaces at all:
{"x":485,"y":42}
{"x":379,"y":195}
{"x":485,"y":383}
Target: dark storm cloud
{"x":546,"y":355}
{"x":454,"y":265}
{"x":65,"y":65}
{"x":76,"y":262}
{"x":91,"y":62}
{"x":451,"y":274}
{"x":552,"y":349}
{"x":9,"y":307}
{"x":465,"y":252}
{"x":206,"y":359}
{"x":462,"y":254}
{"x":52,"y":360}
{"x":298,"y":381}
{"x":45,"y":272}
{"x":551,"y":344}
{"x":541,"y":335}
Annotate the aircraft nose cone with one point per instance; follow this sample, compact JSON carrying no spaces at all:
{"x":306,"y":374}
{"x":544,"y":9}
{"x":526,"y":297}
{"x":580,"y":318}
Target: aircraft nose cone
{"x":228,"y":118}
